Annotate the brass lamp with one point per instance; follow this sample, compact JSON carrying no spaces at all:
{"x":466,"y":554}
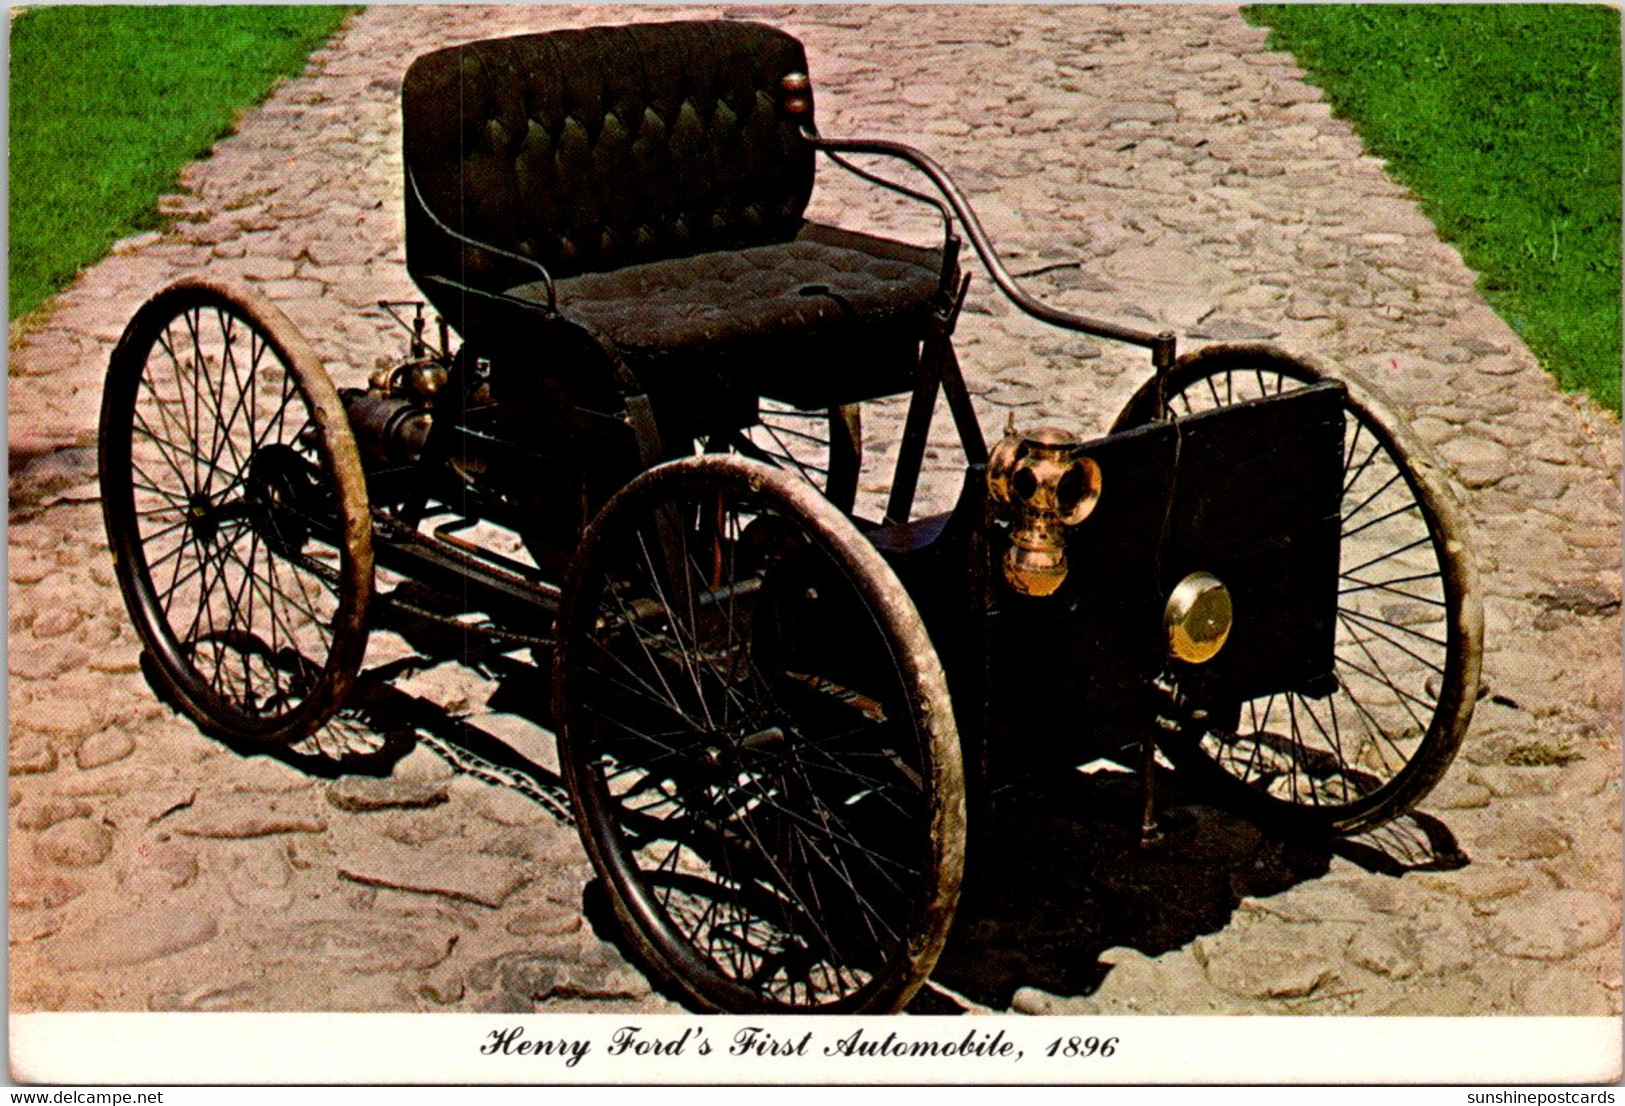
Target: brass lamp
{"x":1040,"y":481}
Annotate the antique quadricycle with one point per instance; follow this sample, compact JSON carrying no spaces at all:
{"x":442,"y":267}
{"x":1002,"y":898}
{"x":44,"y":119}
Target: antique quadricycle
{"x":770,"y":710}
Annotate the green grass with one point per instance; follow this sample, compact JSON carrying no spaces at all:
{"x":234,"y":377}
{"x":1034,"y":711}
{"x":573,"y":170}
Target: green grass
{"x":1506,"y":121}
{"x":107,"y":105}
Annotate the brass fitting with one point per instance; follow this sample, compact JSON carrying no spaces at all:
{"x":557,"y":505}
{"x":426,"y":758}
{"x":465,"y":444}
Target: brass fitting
{"x":1041,"y":483}
{"x":1197,"y":618}
{"x":421,"y":381}
{"x":797,"y":93}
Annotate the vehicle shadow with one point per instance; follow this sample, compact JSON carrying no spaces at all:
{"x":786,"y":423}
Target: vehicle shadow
{"x":1055,"y":874}
{"x":1058,"y":875}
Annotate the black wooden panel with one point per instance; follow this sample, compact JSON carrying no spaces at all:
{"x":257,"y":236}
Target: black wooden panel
{"x":1250,"y":493}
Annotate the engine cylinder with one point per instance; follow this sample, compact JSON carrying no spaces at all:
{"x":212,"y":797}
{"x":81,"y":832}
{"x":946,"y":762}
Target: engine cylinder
{"x":389,"y":430}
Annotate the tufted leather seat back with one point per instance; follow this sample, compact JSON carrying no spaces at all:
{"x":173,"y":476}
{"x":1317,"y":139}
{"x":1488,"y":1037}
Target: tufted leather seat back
{"x":593,"y":149}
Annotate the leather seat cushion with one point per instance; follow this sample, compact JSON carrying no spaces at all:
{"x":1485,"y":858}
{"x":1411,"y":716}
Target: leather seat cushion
{"x":826,"y":290}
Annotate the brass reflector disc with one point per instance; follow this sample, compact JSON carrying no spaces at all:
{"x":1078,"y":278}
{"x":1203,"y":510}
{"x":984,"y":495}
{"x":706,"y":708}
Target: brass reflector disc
{"x":1197,"y":618}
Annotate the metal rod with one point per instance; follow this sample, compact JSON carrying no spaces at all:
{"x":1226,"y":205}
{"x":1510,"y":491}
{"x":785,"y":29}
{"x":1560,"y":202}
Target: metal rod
{"x":445,"y":228}
{"x":900,"y":189}
{"x":1161,"y":343}
{"x":959,"y":403}
{"x":917,"y":428}
{"x":445,"y":532}
{"x":1150,"y":832}
{"x":411,"y":554}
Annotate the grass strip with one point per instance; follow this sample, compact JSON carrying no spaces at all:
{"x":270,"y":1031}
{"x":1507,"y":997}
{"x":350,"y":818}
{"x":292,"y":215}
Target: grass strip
{"x":107,"y":105}
{"x":1505,"y":119}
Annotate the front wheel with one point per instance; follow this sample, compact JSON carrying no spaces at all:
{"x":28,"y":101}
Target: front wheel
{"x":237,"y":513}
{"x":1409,"y":624}
{"x":757,"y":735}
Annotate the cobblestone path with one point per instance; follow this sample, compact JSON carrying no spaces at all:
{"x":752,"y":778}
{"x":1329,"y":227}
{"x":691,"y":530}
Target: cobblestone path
{"x":1200,"y":181}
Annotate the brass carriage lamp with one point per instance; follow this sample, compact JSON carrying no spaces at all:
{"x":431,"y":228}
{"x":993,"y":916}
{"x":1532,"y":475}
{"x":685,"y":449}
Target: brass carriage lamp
{"x":1044,"y":485}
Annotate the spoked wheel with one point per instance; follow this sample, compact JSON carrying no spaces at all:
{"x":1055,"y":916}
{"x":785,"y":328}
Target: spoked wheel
{"x":825,"y":447}
{"x":237,"y":513}
{"x":1409,"y":625}
{"x":758,"y":738}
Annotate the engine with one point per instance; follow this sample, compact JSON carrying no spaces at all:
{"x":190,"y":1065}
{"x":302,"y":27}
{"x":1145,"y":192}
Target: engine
{"x":392,"y":418}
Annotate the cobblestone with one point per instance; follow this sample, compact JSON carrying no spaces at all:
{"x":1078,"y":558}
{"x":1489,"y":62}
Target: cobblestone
{"x":452,"y":873}
{"x":45,"y":814}
{"x":238,"y":817}
{"x":126,"y":940}
{"x":1203,"y":186}
{"x":103,"y":748}
{"x":354,"y":793}
{"x":77,"y":843}
{"x":33,"y":889}
{"x":1557,"y":926}
{"x":353,"y":945}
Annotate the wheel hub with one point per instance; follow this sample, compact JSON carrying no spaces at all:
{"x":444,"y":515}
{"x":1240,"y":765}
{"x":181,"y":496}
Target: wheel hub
{"x":726,"y":752}
{"x":277,"y":497}
{"x":202,"y":517}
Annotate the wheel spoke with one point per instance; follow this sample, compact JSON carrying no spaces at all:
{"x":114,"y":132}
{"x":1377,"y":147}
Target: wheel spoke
{"x":175,"y":503}
{"x":167,"y":450}
{"x":1296,"y":758}
{"x":187,"y":415}
{"x":654,"y":666}
{"x":683,"y":651}
{"x":1405,"y":698}
{"x":1369,"y":621}
{"x":176,"y":579}
{"x":1388,"y":586}
{"x":1374,"y":726}
{"x":779,"y":428}
{"x":1388,"y":556}
{"x":1366,"y":502}
{"x":229,"y":359}
{"x":1348,"y":484}
{"x":273,"y":594}
{"x":822,"y":447}
{"x":785,"y":453}
{"x":1371,"y":624}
